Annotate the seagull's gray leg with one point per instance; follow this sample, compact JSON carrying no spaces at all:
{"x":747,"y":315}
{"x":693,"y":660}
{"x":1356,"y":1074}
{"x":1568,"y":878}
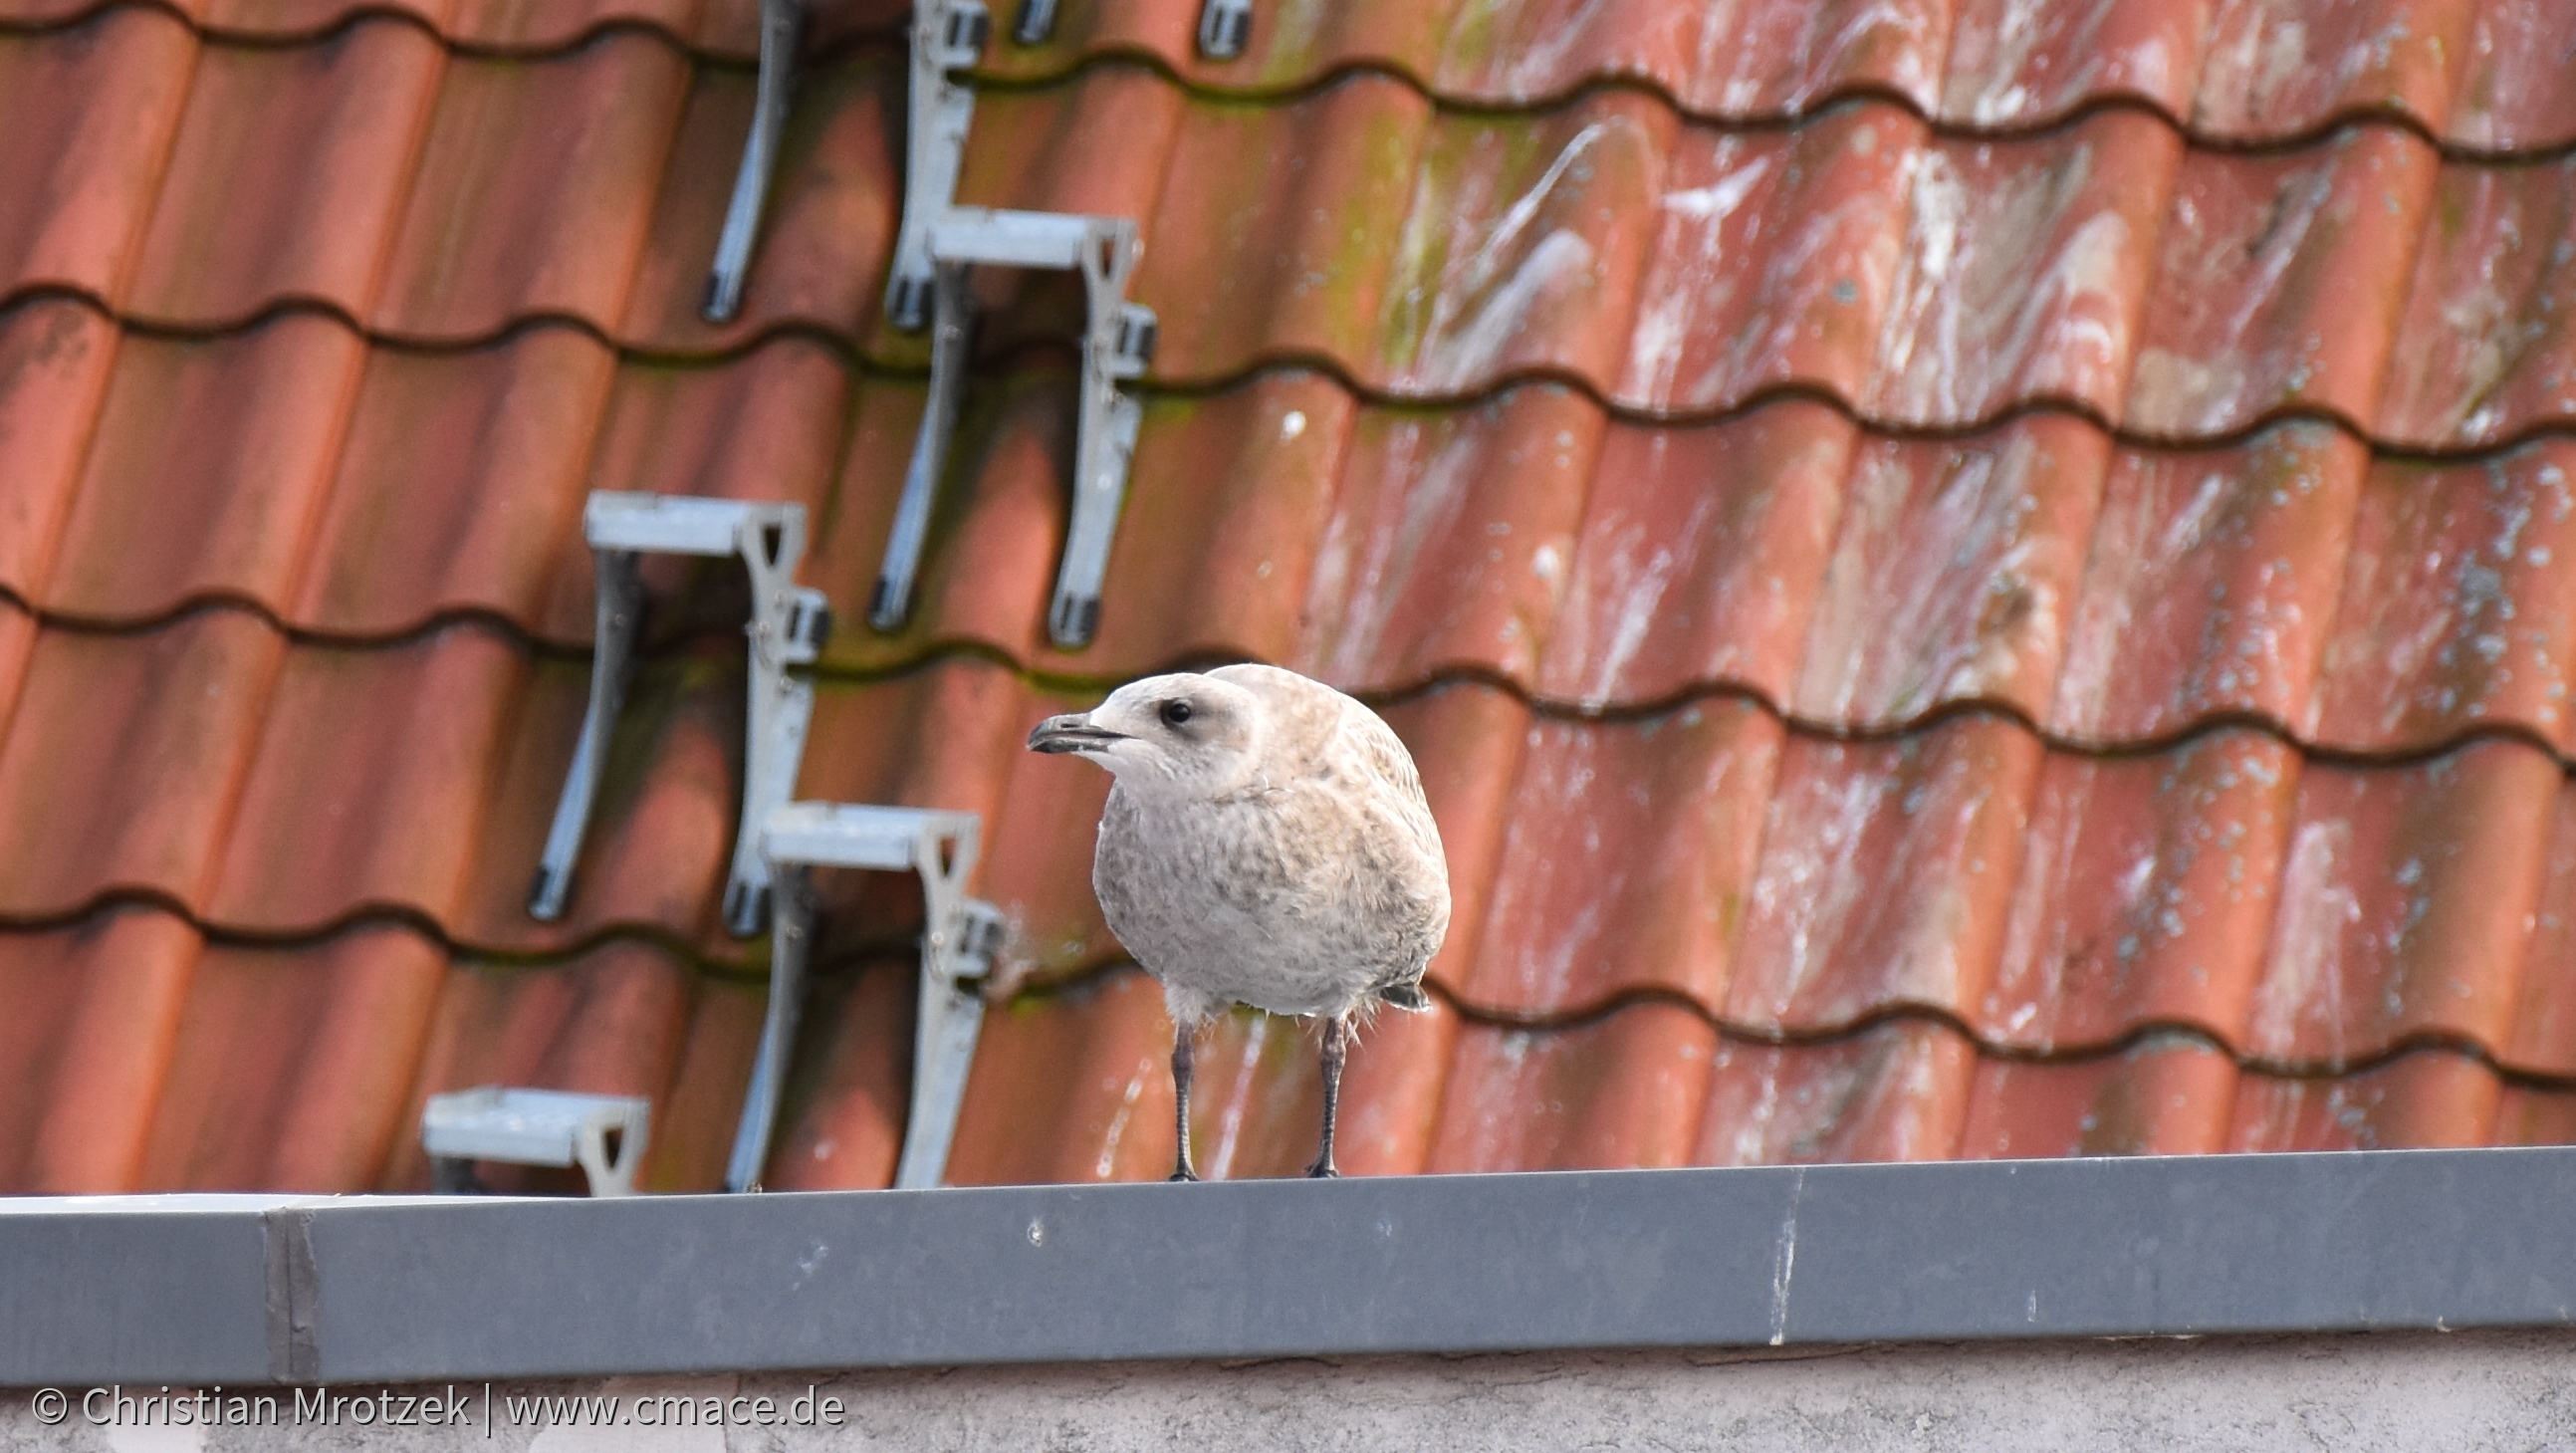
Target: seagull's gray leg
{"x":1181,"y":1035}
{"x":1337,"y":1043}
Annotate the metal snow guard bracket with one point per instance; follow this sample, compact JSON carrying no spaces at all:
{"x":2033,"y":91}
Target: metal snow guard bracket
{"x":787,"y":628}
{"x":936,"y":243}
{"x":1224,"y":26}
{"x":958,"y":940}
{"x":1116,"y":344}
{"x":947,"y":37}
{"x":780,"y":23}
{"x":1036,"y":22}
{"x":538,"y":1127}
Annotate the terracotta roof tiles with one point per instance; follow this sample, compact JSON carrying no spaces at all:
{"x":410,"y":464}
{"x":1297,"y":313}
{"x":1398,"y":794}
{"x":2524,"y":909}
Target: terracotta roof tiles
{"x":2145,"y":895}
{"x":1967,"y":580}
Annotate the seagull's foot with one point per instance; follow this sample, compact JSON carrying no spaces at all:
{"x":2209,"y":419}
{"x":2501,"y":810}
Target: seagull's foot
{"x":1183,"y":1174}
{"x":1322,"y":1170}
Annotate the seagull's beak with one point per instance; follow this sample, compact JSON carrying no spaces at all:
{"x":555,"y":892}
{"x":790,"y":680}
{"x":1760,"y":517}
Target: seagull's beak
{"x":1073,"y":733}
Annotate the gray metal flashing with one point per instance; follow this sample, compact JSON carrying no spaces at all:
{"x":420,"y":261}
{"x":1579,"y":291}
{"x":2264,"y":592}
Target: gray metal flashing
{"x":197,"y":1289}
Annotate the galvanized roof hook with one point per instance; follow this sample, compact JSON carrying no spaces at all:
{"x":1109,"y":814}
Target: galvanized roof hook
{"x":938,"y":244}
{"x":1116,"y":345}
{"x":959,"y":937}
{"x":948,"y":35}
{"x":787,"y":628}
{"x":1225,"y":26}
{"x":603,"y":1134}
{"x":780,"y":23}
{"x":935,"y":246}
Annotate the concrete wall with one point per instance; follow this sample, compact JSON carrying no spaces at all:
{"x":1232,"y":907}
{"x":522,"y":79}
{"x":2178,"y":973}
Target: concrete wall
{"x":2408,"y":1393}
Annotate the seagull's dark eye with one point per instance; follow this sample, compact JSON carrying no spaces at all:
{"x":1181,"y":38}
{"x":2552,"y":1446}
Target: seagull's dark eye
{"x":1175,"y":712}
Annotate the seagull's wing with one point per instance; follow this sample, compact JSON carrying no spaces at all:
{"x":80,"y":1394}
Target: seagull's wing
{"x":1401,"y":835}
{"x":1373,"y":752}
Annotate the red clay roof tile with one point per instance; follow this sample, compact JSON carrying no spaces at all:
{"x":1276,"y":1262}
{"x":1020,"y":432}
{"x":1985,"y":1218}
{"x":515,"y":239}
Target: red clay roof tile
{"x":459,"y":490}
{"x":2023,"y":271}
{"x":308,"y":20}
{"x":2429,"y":1098}
{"x":1845,"y":578}
{"x":1621,"y":1091}
{"x":2542,"y":1039}
{"x":617,"y":1020}
{"x":2407,"y":896}
{"x":1701,"y":553}
{"x":529,"y":24}
{"x":2211,"y":586}
{"x":1245,"y":261}
{"x":2486,"y":352}
{"x":95,"y":1021}
{"x":2457,"y":606}
{"x":1257,"y":1099}
{"x":2475,"y":72}
{"x":1626,"y":860}
{"x":1885,"y":875}
{"x":253,"y":422}
{"x":1392,"y":1094}
{"x":1227,"y":504}
{"x":1091,"y":1064}
{"x":1037,"y":868}
{"x":124,"y":758}
{"x":92,"y":110}
{"x":2167,"y":1096}
{"x":56,"y":357}
{"x":996,"y":563}
{"x":2507,"y":97}
{"x":288,"y":175}
{"x":1773,"y":263}
{"x":1897,"y":1091}
{"x":1450,"y":539}
{"x":2248,"y":70}
{"x":337,"y":1028}
{"x":1788,"y":57}
{"x":766,"y":426}
{"x":1954,"y":573}
{"x":2280,"y":283}
{"x":695,"y":1117}
{"x":2531,"y":1115}
{"x":2020,"y":65}
{"x":356,"y":743}
{"x":1521,"y":246}
{"x":18,"y":633}
{"x":848,"y":1132}
{"x":2278,"y":67}
{"x":1072,"y":1087}
{"x":1469,"y":740}
{"x":1922,"y":316}
{"x":2145,"y":895}
{"x":1215,"y":546}
{"x":534,"y":191}
{"x":662,"y":829}
{"x":1044,"y":151}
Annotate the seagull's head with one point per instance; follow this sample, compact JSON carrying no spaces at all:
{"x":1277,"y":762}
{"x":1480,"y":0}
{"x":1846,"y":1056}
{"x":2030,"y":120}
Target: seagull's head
{"x":1186,"y":734}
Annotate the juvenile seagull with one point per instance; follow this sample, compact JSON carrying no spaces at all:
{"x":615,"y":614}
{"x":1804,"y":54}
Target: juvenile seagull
{"x":1266,"y":843}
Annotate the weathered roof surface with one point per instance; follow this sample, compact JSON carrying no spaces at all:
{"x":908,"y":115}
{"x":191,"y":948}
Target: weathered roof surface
{"x":1969,"y":580}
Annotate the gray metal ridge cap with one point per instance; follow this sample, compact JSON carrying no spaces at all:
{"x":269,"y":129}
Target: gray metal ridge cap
{"x":171,"y":1202}
{"x":360,"y":1288}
